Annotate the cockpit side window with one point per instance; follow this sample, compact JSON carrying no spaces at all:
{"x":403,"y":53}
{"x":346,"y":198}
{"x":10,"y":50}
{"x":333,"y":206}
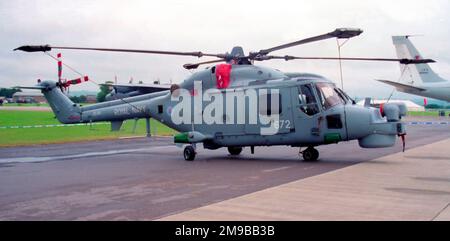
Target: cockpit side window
{"x":328,"y":95}
{"x":345,"y":95}
{"x":307,"y":100}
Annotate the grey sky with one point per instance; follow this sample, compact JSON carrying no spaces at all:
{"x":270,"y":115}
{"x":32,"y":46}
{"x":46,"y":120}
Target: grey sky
{"x":216,"y":26}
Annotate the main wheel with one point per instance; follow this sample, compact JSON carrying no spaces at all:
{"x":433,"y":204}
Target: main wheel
{"x":234,"y":151}
{"x":189,"y":153}
{"x":310,"y":154}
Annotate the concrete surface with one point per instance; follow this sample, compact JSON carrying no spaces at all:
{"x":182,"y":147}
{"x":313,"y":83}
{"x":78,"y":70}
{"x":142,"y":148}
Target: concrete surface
{"x":405,"y":186}
{"x":147,"y":179}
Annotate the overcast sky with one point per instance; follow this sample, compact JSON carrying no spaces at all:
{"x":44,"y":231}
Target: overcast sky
{"x":216,"y":26}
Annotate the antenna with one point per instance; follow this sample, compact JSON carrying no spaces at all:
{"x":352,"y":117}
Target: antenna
{"x":339,"y":46}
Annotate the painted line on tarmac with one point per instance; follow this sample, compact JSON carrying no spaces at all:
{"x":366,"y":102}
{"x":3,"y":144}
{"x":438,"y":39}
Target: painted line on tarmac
{"x":89,"y":154}
{"x":427,"y":123}
{"x":276,"y":169}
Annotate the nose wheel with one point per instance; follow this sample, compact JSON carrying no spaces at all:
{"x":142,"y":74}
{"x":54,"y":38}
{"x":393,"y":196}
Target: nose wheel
{"x":310,"y":154}
{"x":234,"y":151}
{"x":189,"y":153}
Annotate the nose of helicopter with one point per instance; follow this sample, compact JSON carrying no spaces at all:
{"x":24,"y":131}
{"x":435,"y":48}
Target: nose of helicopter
{"x":371,"y":128}
{"x":358,"y":121}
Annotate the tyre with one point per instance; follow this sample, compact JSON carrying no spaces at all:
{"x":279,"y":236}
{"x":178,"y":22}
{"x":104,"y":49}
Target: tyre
{"x":310,"y":154}
{"x":189,"y":153}
{"x":234,"y":151}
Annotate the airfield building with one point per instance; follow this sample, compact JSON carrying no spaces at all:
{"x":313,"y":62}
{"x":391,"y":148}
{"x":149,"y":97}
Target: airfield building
{"x":29,"y":97}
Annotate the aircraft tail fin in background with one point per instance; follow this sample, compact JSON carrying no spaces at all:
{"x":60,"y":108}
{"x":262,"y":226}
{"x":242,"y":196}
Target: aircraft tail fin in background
{"x":414,"y":74}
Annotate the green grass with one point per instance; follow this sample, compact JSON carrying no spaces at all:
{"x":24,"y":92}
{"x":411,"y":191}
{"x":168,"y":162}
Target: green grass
{"x":25,"y":104}
{"x":31,"y":136}
{"x":37,"y":104}
{"x":22,"y":118}
{"x":423,"y":113}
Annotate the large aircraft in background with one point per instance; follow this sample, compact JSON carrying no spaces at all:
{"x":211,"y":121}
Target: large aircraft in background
{"x":417,"y":79}
{"x":120,"y":91}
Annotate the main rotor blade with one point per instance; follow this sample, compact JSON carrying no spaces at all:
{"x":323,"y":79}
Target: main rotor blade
{"x":45,"y":48}
{"x":194,"y":66}
{"x":402,"y":61}
{"x":338,"y":33}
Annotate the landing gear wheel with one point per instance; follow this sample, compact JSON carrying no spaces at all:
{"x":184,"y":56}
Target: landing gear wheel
{"x":234,"y":151}
{"x":310,"y":154}
{"x":189,"y":153}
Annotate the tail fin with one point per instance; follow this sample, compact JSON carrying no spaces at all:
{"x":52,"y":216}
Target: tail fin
{"x":65,"y":110}
{"x":413,"y":74}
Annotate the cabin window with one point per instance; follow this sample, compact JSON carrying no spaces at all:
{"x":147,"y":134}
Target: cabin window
{"x":328,"y":96}
{"x":160,"y":109}
{"x":265,"y":104}
{"x":307,"y":100}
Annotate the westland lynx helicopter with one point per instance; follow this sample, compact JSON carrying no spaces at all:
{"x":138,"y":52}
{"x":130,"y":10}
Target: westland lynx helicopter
{"x":264,"y":106}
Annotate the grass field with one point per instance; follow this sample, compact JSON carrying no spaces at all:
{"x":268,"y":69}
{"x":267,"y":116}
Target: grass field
{"x":29,"y":136}
{"x":424,"y":113}
{"x":25,"y":104}
{"x":36,"y":104}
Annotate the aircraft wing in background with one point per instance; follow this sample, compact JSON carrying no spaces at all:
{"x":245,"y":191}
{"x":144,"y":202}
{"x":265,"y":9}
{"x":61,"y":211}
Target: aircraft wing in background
{"x":146,"y":88}
{"x":120,"y":91}
{"x":402,"y":87}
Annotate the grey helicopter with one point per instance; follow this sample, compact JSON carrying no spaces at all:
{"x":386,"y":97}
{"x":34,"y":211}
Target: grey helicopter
{"x":236,"y":104}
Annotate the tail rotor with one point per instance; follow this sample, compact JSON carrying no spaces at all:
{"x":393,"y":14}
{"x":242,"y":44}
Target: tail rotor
{"x":60,"y":84}
{"x":64,"y":84}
